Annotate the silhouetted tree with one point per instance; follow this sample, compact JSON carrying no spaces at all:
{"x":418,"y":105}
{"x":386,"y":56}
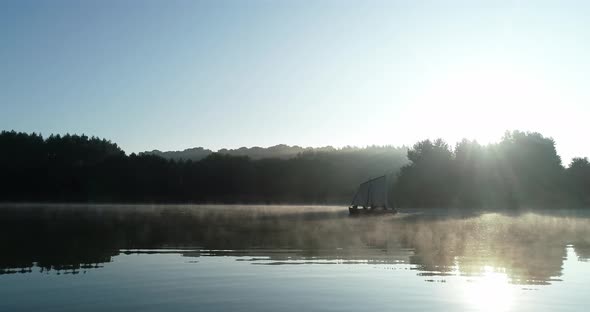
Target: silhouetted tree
{"x":522,"y":169}
{"x":427,"y":181}
{"x":530,"y":167}
{"x":578,"y":180}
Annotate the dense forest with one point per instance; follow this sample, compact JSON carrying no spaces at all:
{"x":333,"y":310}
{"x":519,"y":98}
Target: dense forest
{"x":523,"y":169}
{"x":77,"y":168}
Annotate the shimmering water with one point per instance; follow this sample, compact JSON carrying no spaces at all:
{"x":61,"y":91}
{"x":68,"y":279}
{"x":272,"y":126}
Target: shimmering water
{"x":289,"y":258}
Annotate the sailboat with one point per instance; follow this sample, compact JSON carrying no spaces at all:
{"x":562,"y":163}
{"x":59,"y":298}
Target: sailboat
{"x":371,"y":198}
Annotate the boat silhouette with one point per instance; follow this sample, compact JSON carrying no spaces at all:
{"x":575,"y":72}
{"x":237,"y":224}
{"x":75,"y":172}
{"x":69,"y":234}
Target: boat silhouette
{"x":372,"y":198}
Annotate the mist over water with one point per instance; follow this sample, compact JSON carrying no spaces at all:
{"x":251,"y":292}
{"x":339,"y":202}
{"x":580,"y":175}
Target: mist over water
{"x":526,"y":252}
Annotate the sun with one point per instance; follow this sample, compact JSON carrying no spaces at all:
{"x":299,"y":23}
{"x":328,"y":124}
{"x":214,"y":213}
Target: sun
{"x":481,"y":102}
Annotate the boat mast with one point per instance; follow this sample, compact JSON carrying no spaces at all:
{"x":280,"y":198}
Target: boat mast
{"x":354,"y":198}
{"x":369,"y":194}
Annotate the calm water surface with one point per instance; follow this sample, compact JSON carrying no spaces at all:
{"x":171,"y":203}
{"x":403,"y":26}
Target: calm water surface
{"x":289,"y":258}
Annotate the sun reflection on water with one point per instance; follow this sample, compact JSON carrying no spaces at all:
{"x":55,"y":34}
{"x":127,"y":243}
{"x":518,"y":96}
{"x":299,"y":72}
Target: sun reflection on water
{"x":490,"y":292}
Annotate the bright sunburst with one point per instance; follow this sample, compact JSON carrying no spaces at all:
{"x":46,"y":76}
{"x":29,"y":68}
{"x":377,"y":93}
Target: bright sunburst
{"x":482,"y":101}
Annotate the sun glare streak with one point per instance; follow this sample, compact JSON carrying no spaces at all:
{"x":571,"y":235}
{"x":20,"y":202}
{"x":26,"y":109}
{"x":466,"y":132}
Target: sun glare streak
{"x":491,"y":292}
{"x":481,"y":102}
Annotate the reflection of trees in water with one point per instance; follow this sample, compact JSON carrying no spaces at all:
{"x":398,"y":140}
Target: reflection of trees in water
{"x":583,"y":252}
{"x":528,"y":248}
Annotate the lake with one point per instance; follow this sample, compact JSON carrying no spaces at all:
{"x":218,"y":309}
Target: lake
{"x":289,"y":258}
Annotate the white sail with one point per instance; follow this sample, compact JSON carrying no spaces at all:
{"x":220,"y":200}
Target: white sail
{"x":372,"y":193}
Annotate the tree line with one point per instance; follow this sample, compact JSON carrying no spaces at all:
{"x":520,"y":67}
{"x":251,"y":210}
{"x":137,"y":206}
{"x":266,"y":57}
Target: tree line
{"x":78,"y":168}
{"x":523,"y":169}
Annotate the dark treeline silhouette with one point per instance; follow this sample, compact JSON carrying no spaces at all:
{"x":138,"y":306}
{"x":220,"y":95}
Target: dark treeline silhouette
{"x":73,"y":168}
{"x":522,"y":169}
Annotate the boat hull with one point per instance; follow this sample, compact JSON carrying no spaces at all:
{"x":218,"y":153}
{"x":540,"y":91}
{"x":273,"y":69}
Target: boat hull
{"x":360,"y":211}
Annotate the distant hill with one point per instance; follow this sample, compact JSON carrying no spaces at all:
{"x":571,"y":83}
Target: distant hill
{"x":281,"y":151}
{"x":195,"y":153}
{"x":278,"y":151}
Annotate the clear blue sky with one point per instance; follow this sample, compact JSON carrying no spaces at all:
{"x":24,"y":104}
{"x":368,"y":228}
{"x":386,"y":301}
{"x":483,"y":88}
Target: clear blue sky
{"x":177,"y":74}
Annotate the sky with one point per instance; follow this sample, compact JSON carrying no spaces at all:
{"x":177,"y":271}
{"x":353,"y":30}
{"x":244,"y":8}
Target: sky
{"x":171,"y":75}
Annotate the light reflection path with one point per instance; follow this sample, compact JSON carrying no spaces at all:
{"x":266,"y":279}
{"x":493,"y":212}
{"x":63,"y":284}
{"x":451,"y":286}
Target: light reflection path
{"x":491,"y":291}
{"x":494,"y":291}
